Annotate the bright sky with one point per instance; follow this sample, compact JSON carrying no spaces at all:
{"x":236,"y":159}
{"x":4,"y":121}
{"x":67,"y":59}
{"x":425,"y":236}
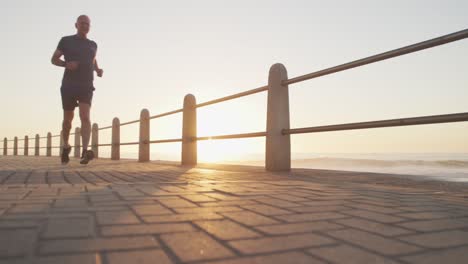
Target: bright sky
{"x":155,"y":52}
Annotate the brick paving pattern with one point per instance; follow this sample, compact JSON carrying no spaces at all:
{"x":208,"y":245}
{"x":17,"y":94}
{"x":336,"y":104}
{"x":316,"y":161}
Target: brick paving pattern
{"x":112,"y":212}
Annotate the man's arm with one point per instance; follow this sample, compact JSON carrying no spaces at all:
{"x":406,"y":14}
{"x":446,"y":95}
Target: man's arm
{"x":56,"y":59}
{"x":71,"y":65}
{"x":96,"y":67}
{"x":98,"y":70}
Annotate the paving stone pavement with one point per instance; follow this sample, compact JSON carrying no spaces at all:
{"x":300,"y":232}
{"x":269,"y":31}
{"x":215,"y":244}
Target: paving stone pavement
{"x":114,"y":212}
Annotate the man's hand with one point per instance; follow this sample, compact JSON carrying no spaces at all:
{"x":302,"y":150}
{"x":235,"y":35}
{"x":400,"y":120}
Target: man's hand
{"x":99,"y":72}
{"x":72,"y":65}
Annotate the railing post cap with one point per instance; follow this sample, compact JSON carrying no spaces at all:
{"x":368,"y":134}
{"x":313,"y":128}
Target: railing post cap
{"x":277,"y":67}
{"x":49,"y":134}
{"x":95,"y":126}
{"x":115,"y":120}
{"x":144,"y":113}
{"x":187,"y":96}
{"x":189,"y":99}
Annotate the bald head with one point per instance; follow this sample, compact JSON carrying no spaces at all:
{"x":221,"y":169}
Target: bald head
{"x":82,"y":25}
{"x":83,"y":17}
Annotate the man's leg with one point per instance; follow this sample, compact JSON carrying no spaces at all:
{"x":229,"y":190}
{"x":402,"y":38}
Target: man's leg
{"x":85,"y":124}
{"x":66,"y":126}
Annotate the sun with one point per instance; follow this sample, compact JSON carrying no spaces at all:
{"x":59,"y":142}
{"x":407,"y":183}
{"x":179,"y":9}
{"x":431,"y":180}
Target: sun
{"x":213,"y":151}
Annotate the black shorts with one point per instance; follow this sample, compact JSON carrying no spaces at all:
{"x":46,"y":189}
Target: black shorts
{"x":72,"y":95}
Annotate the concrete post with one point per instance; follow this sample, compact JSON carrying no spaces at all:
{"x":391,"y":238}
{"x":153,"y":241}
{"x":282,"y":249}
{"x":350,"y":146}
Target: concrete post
{"x":5,"y":146}
{"x":189,"y":131}
{"x":61,"y":143}
{"x":26,"y":145}
{"x":77,"y":142}
{"x":278,"y":146}
{"x":115,"y":148}
{"x":144,"y":146}
{"x":15,"y":146}
{"x":49,"y":145}
{"x":36,"y":145}
{"x":95,"y":140}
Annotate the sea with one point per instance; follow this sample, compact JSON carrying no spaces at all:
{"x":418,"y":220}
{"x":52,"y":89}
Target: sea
{"x":451,"y":167}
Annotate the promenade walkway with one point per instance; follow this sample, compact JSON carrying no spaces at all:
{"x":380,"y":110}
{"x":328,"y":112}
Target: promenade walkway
{"x":123,"y":211}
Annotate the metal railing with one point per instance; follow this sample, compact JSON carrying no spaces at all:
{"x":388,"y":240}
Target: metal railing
{"x":278,"y":149}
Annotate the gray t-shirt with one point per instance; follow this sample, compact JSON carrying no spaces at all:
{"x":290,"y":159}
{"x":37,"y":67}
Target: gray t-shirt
{"x":75,"y":48}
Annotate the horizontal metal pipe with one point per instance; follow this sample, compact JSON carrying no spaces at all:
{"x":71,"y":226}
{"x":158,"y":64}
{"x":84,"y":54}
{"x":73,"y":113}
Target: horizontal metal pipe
{"x":104,"y":145}
{"x":130,"y":122}
{"x":29,"y":138}
{"x":383,"y":56}
{"x":129,"y":143}
{"x":234,"y":96}
{"x":167,"y":113}
{"x":459,"y":117}
{"x":246,"y":135}
{"x":166,"y":140}
{"x":107,"y":127}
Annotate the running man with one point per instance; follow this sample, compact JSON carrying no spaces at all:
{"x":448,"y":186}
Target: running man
{"x":77,"y":84}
